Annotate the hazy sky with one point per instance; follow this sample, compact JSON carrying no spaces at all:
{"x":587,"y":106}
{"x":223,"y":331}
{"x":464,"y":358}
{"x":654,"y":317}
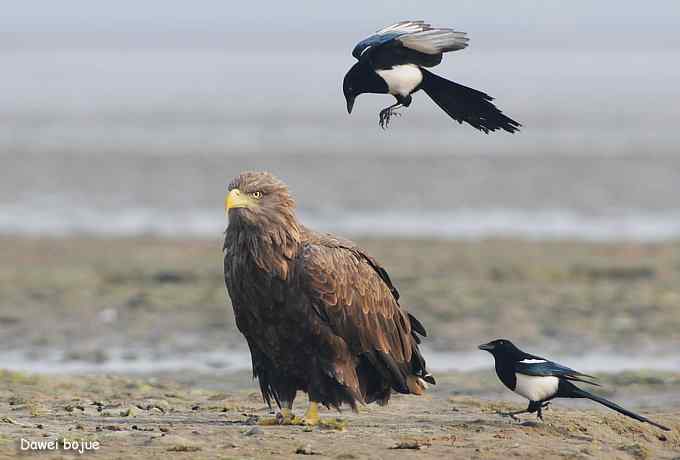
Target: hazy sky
{"x":615,"y":23}
{"x":583,"y":76}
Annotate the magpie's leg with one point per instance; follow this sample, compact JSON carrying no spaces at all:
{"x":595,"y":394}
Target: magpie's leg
{"x":534,"y":406}
{"x":539,"y":410}
{"x":387,"y":113}
{"x":513,"y":415}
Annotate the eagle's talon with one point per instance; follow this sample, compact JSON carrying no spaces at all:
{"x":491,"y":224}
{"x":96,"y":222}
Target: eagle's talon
{"x":336,"y":424}
{"x":311,"y":417}
{"x":269,"y":421}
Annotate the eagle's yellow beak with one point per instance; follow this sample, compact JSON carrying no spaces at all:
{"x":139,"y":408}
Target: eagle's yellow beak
{"x":235,"y":199}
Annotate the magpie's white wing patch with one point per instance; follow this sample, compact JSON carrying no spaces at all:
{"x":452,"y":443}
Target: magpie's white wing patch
{"x":435,"y":41}
{"x":533,"y":361}
{"x":541,"y":367}
{"x":418,"y":36}
{"x":536,"y":388}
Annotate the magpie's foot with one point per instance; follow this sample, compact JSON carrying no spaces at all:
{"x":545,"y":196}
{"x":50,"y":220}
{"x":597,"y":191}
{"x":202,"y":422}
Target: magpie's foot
{"x":539,"y":412}
{"x":386,"y":115}
{"x":512,"y":415}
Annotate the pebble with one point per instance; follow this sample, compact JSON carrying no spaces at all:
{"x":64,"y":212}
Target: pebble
{"x":305,"y":450}
{"x":254,"y":431}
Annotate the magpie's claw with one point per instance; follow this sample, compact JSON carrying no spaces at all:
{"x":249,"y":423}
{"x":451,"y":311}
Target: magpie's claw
{"x":386,"y":115}
{"x":512,"y":415}
{"x":384,"y":118}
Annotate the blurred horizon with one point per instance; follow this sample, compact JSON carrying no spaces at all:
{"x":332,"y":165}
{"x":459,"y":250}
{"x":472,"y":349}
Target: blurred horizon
{"x":130,"y":118}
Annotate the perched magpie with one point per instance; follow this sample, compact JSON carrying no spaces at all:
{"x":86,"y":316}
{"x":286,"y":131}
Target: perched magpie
{"x":393,"y":60}
{"x":540,"y":380}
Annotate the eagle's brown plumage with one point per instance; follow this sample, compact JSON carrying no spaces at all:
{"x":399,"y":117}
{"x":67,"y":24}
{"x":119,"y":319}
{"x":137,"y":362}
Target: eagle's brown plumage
{"x":319,"y":314}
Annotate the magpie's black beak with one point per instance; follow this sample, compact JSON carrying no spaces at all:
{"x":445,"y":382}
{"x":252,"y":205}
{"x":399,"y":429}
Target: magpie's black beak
{"x":486,"y":346}
{"x":350,"y":103}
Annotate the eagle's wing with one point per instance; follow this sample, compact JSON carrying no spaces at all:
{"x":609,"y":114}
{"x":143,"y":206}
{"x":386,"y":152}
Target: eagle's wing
{"x":354,"y":296}
{"x":409,"y":42}
{"x":539,"y":367}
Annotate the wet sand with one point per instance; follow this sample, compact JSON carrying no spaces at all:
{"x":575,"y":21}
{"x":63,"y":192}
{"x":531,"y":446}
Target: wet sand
{"x":158,"y":417}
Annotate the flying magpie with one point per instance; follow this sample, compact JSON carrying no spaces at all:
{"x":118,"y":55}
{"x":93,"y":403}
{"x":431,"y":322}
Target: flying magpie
{"x":393,"y":61}
{"x":540,"y":380}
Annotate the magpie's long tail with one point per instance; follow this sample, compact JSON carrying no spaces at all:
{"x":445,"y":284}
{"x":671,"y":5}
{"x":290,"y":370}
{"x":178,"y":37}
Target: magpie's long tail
{"x":579,"y":393}
{"x":465,"y":104}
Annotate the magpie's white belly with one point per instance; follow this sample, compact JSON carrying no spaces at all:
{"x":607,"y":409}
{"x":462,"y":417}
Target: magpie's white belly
{"x":402,"y":79}
{"x":536,"y":388}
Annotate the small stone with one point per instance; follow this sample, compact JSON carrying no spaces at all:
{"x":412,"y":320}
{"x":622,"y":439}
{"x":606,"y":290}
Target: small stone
{"x":305,"y":450}
{"x":129,"y":412}
{"x":415,"y":444}
{"x":254,"y":431}
{"x":113,"y":428}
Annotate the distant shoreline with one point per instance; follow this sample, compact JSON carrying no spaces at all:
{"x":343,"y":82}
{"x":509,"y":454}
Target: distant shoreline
{"x":462,"y":224}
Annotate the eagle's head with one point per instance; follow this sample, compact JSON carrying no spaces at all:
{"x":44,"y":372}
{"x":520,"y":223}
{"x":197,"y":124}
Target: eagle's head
{"x":260,"y":201}
{"x":262,"y":222}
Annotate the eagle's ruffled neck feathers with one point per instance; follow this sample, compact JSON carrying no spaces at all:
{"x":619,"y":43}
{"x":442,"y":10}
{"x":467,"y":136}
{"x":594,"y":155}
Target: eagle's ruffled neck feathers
{"x":272,"y":243}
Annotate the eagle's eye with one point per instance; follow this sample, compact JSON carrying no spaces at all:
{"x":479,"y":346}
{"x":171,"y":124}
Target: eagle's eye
{"x":256,"y":195}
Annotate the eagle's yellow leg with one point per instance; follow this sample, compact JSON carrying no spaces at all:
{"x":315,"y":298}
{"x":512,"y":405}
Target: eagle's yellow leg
{"x":312,"y":414}
{"x":312,"y":419}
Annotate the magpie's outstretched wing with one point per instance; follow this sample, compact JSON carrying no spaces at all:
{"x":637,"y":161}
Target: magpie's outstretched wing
{"x":539,"y":367}
{"x":409,"y":42}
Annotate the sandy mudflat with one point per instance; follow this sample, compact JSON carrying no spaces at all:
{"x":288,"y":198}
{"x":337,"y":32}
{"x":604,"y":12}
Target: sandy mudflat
{"x":87,"y":298}
{"x":563,"y":298}
{"x":154,"y":418}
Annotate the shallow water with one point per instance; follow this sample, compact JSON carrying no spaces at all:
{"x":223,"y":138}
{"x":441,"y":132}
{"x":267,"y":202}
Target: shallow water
{"x":229,"y":360}
{"x":592,"y":198}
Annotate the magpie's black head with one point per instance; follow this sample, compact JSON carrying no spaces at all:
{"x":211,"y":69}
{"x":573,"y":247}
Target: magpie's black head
{"x":361,"y":78}
{"x":502,"y":348}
